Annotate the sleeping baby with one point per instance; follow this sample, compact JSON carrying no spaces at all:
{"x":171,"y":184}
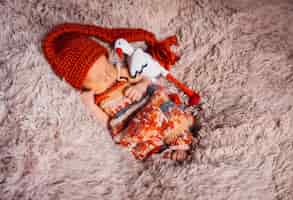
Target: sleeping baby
{"x":142,"y":116}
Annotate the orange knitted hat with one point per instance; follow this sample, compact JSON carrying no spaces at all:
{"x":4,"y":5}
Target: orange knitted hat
{"x":71,"y":52}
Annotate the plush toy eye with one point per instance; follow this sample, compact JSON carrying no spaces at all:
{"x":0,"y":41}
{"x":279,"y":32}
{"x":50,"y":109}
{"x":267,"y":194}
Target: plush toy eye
{"x":138,"y":72}
{"x":144,"y":66}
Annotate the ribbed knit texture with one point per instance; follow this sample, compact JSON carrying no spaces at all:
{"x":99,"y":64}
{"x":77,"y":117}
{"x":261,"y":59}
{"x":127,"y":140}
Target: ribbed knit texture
{"x":71,"y":52}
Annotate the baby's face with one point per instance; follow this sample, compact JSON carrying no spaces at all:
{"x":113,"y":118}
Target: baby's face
{"x":100,"y":76}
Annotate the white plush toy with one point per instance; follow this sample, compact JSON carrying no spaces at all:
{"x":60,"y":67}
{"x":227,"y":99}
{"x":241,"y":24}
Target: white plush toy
{"x":141,"y":63}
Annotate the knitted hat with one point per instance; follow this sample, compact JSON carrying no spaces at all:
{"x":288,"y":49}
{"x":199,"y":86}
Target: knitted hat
{"x":71,"y":52}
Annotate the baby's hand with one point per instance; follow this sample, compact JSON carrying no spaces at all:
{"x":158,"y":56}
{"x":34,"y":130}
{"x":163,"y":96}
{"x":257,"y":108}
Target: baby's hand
{"x":134,"y":92}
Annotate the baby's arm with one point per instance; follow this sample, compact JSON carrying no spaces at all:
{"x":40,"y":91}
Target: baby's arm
{"x":88,"y":99}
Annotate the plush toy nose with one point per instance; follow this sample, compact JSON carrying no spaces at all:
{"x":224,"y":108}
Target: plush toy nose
{"x":120,"y":53}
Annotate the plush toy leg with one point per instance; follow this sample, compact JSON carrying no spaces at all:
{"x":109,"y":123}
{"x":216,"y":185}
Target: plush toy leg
{"x":194,"y":98}
{"x":175,"y":98}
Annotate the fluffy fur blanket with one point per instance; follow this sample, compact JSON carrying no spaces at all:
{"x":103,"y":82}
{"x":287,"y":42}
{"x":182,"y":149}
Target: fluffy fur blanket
{"x":237,"y":53}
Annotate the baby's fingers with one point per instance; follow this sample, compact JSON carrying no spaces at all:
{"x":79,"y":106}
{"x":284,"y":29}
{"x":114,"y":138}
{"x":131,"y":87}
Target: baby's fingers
{"x":129,"y":93}
{"x":132,"y":94}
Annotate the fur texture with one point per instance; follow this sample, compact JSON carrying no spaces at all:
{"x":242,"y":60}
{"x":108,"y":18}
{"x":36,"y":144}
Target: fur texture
{"x":238,"y":54}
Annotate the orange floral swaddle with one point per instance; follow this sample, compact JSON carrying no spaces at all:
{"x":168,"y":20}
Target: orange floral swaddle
{"x":159,"y":123}
{"x":153,"y":123}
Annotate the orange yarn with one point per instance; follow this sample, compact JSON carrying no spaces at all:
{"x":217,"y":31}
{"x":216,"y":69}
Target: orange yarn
{"x":71,"y":52}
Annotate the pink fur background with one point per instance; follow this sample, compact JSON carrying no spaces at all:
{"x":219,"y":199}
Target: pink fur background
{"x":237,"y":53}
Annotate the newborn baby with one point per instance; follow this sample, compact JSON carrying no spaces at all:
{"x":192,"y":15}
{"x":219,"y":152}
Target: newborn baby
{"x":139,"y":114}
